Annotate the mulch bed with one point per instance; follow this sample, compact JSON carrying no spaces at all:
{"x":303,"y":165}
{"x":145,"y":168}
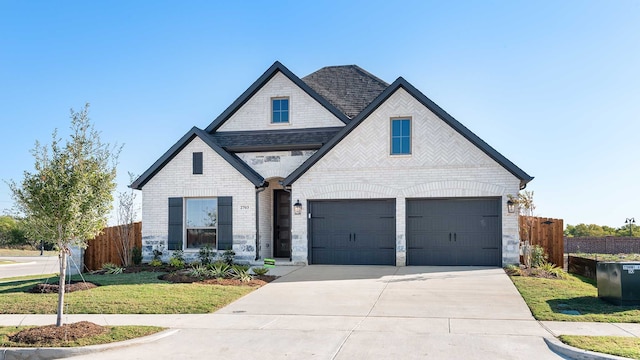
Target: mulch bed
{"x":531,"y":272}
{"x":148,"y":268}
{"x":183,"y":278}
{"x":51,"y":333}
{"x":53,"y":288}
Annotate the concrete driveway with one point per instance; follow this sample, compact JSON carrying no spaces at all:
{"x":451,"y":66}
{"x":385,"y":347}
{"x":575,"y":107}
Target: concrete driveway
{"x":362,"y":312}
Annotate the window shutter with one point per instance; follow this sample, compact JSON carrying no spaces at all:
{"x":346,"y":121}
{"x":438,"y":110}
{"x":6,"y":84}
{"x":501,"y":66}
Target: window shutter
{"x":175,"y":223}
{"x":225,"y":223}
{"x":197,"y":163}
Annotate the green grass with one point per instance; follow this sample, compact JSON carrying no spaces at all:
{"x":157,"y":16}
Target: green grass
{"x":614,"y":345}
{"x":547,"y":298}
{"x":609,"y":257}
{"x":116,"y":333}
{"x":22,"y":252}
{"x":139,"y":293}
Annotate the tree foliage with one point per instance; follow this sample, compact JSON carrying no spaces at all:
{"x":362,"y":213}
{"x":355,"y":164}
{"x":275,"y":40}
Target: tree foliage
{"x":12,"y":232}
{"x":66,"y":199}
{"x":593,"y":230}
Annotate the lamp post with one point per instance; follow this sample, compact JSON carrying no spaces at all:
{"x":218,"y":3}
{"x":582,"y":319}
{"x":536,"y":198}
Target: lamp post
{"x":631,"y":222}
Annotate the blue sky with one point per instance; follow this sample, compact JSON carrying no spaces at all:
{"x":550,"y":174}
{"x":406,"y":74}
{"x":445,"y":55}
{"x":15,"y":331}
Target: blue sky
{"x":552,"y":85}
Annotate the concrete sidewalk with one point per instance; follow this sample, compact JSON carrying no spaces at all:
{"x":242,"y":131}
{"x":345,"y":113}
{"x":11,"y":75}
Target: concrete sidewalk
{"x":342,"y":312}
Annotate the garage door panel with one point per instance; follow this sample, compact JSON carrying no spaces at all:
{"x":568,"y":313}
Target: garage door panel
{"x":454,"y":232}
{"x":352,"y":232}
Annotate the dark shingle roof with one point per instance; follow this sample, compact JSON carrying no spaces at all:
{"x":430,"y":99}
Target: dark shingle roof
{"x":349,"y":88}
{"x":272,"y":140}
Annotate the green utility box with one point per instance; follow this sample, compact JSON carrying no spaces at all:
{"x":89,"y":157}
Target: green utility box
{"x":619,"y":282}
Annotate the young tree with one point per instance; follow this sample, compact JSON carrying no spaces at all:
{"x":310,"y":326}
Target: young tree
{"x":526,"y":207}
{"x":126,"y":216}
{"x":65,"y":201}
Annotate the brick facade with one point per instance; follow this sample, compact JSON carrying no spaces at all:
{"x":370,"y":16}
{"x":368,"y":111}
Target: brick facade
{"x":304,"y":111}
{"x":442,"y":164}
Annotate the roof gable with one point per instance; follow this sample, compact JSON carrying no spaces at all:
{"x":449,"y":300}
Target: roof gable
{"x":232,"y":159}
{"x":276,"y":68}
{"x":434,"y":108}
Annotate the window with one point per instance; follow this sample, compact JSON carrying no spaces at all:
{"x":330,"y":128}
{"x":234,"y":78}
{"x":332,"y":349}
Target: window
{"x":401,"y":136}
{"x":201,"y":222}
{"x":197,"y":163}
{"x":280,"y":110}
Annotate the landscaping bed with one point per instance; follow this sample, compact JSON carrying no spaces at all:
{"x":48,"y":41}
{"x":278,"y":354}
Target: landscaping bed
{"x":68,"y":335}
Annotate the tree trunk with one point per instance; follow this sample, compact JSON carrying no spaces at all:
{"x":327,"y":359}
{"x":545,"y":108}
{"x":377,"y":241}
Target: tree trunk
{"x":63,"y":272}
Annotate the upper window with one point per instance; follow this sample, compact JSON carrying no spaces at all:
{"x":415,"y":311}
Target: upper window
{"x":401,"y":136}
{"x":280,"y":110}
{"x":201,"y":222}
{"x":197,"y":163}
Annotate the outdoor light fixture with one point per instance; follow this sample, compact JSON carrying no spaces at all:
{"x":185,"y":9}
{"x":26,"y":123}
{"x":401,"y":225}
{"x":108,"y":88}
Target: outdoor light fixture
{"x":511,"y":206}
{"x":297,"y":208}
{"x":630,"y":221}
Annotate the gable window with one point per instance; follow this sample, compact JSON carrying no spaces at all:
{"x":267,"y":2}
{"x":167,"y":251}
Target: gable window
{"x":197,"y":163}
{"x":280,"y":110}
{"x":201,"y":217}
{"x":401,"y":136}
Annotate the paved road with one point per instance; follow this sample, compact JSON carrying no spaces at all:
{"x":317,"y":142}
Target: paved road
{"x":358,"y":312}
{"x":29,"y":265}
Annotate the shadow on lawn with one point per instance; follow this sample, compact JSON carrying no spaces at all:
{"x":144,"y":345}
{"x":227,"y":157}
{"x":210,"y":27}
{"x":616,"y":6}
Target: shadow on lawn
{"x":586,"y":305}
{"x":23,"y":286}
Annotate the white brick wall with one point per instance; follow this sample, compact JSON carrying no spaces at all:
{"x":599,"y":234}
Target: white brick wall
{"x":176,"y":179}
{"x":442,"y":164}
{"x":276,"y":163}
{"x":304,"y":111}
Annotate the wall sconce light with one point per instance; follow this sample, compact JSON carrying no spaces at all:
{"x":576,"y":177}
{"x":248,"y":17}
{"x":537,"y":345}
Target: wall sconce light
{"x":297,"y":208}
{"x":511,"y":206}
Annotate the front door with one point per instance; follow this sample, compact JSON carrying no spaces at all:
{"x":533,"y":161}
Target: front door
{"x":282,"y":224}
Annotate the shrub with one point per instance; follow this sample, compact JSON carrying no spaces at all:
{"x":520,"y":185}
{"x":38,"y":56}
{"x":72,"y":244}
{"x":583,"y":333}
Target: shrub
{"x":157,"y":254}
{"x":112,"y":269}
{"x":136,"y":255}
{"x":228,"y":256}
{"x":240,"y":272}
{"x":552,"y":269}
{"x":155,"y":262}
{"x":219,"y":269}
{"x":199,"y":271}
{"x":538,"y":257}
{"x":206,"y":255}
{"x":260,"y":271}
{"x":177,"y":259}
{"x":513,"y":270}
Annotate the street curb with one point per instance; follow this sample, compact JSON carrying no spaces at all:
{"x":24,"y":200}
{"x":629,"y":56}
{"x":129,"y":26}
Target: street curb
{"x":18,"y":263}
{"x":578,"y":354}
{"x":60,"y":352}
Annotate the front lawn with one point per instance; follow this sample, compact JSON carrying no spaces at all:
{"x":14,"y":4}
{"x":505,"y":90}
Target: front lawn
{"x":136,"y":293}
{"x":614,"y":345}
{"x":572,"y":299}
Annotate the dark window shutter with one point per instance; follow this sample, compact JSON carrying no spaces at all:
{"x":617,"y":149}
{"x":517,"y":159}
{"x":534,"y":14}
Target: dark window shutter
{"x":175,"y":223}
{"x":225,"y":223}
{"x":197,"y":163}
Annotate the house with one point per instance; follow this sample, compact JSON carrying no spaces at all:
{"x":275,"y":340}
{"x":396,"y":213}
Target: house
{"x":338,"y":167}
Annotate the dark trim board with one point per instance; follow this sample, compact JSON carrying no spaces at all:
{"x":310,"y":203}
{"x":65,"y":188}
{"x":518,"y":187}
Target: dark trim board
{"x":352,"y":232}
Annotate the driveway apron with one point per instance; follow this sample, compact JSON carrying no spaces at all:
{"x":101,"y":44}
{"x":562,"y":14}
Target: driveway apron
{"x":364,"y":312}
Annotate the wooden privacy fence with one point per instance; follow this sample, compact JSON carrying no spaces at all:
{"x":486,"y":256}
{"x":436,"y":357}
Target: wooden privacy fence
{"x":546,"y":232}
{"x":104,"y":247}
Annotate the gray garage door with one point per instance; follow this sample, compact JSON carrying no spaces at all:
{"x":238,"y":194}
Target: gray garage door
{"x":352,"y":232}
{"x":454,"y":232}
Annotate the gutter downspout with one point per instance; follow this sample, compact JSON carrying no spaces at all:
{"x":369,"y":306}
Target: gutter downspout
{"x":260,"y":189}
{"x":281,"y":182}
